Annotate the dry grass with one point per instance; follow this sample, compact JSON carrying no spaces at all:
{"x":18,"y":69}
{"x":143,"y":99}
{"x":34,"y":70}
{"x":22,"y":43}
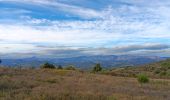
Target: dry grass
{"x":46,"y":84}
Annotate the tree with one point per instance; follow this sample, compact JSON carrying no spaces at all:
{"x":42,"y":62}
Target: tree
{"x":48,"y":65}
{"x":59,"y":67}
{"x":97,"y":68}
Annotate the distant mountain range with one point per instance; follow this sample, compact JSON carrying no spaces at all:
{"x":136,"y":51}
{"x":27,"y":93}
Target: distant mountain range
{"x":85,"y":62}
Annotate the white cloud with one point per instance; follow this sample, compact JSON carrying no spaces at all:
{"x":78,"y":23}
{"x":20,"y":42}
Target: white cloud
{"x":132,"y":24}
{"x":30,"y":34}
{"x":15,"y":48}
{"x":55,"y":5}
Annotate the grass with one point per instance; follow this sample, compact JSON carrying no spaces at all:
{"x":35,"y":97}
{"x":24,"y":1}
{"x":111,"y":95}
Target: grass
{"x":53,"y":84}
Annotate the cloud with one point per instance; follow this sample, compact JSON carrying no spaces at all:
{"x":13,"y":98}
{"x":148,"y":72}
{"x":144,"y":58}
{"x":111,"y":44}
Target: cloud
{"x":64,"y":52}
{"x":142,"y":47}
{"x":55,"y":5}
{"x":53,"y":35}
{"x":5,"y":11}
{"x":122,"y":27}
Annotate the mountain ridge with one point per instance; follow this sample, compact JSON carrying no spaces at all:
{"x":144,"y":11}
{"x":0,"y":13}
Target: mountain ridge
{"x":85,"y":62}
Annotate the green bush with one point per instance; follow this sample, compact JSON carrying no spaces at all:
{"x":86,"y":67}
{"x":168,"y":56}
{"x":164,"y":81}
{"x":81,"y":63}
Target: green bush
{"x":48,"y":65}
{"x":157,"y":71}
{"x":97,"y":68}
{"x":142,"y":78}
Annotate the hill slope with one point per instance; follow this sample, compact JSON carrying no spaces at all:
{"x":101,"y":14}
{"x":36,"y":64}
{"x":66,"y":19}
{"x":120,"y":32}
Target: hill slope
{"x":159,"y":69}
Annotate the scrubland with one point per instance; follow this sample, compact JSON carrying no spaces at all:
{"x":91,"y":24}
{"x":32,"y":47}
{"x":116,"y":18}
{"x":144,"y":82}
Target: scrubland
{"x":54,"y":84}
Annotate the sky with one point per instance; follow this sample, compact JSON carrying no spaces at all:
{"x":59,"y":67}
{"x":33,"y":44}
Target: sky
{"x":69,"y":28}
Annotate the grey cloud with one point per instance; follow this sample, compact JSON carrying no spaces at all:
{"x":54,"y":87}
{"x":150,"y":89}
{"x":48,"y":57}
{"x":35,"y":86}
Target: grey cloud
{"x":119,"y":49}
{"x":57,"y":52}
{"x":53,"y":46}
{"x":141,"y":47}
{"x":1,"y":40}
{"x":157,"y":48}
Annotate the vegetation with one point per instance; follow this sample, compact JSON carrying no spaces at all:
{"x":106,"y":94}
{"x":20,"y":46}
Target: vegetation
{"x":50,"y":83}
{"x":97,"y":68}
{"x":47,"y":84}
{"x":142,"y":78}
{"x":59,"y":67}
{"x":155,"y":70}
{"x":166,"y":64}
{"x":70,"y":67}
{"x":48,"y":65}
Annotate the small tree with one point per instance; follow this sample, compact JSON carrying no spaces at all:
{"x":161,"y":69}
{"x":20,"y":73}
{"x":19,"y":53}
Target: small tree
{"x":48,"y":65}
{"x":142,"y":78}
{"x":97,"y":68}
{"x":59,"y":67}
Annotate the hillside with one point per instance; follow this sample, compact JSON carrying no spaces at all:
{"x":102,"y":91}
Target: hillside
{"x":53,"y":84}
{"x":159,"y":69}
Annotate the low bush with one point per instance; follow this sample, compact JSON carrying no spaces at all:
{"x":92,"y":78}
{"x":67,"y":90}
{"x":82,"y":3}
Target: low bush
{"x":157,"y":71}
{"x":142,"y":78}
{"x":48,"y":65}
{"x":163,"y":73}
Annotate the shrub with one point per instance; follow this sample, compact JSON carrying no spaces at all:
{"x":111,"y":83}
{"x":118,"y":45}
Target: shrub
{"x":48,"y":65}
{"x":168,"y":73}
{"x":59,"y":67}
{"x":157,"y":71}
{"x":163,"y":73}
{"x":166,"y":64}
{"x":142,"y":78}
{"x":97,"y":68}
